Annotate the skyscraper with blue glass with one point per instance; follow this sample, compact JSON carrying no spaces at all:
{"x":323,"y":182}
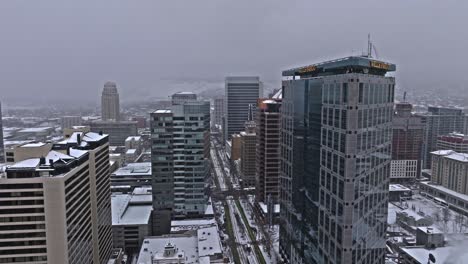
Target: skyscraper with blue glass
{"x":336,"y":136}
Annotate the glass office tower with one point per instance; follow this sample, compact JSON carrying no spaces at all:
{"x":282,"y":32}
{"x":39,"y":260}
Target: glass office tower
{"x":335,"y":161}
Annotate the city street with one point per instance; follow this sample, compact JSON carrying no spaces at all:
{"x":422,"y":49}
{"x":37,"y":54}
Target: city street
{"x":242,"y":241}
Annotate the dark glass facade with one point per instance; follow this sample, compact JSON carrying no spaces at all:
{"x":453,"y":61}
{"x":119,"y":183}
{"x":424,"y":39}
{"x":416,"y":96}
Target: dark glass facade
{"x":335,"y":168}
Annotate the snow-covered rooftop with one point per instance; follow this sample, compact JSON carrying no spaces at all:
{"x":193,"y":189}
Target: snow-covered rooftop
{"x":26,"y":164}
{"x":447,"y":191}
{"x":197,"y":246}
{"x":208,"y":241}
{"x":133,"y":138}
{"x":33,"y":145}
{"x":131,"y":151}
{"x":398,"y":187}
{"x":130,"y":209}
{"x":134,"y":169}
{"x":453,"y":254}
{"x":35,"y":129}
{"x":163,"y":111}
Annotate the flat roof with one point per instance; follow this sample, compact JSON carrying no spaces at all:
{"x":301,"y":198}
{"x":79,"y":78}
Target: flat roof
{"x":398,"y":187}
{"x":450,"y":154}
{"x":208,"y":241}
{"x":194,"y":245}
{"x":134,"y":169}
{"x":447,"y":191}
{"x":131,"y":138}
{"x":33,"y":145}
{"x":131,"y":151}
{"x":456,"y":254}
{"x":185,"y":244}
{"x":343,"y":63}
{"x":126,"y":210}
{"x":35,"y":129}
{"x":163,"y":111}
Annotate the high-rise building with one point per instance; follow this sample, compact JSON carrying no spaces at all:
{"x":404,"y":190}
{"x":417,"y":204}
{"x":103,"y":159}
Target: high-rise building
{"x":118,"y":131}
{"x":268,"y":149}
{"x":408,"y":133}
{"x":56,"y":206}
{"x":2,"y":148}
{"x":180,"y":152}
{"x":240,"y":93}
{"x":336,"y":135}
{"x":110,"y":103}
{"x":248,"y":141}
{"x":450,"y":169}
{"x":183,"y":97}
{"x":453,"y":141}
{"x":218,"y":112}
{"x":70,"y":121}
{"x":439,"y":121}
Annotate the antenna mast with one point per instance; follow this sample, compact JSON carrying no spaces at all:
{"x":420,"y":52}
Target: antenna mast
{"x":369,"y":46}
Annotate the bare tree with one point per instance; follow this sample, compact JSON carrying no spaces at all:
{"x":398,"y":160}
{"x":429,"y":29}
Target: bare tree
{"x":437,"y":216}
{"x":446,"y":216}
{"x":460,"y":222}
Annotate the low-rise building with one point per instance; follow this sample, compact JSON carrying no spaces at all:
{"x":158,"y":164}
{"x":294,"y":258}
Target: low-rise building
{"x":70,"y":121}
{"x":15,"y":153}
{"x":131,"y":219}
{"x":133,"y":175}
{"x":398,"y":191}
{"x":131,"y":155}
{"x":34,"y":133}
{"x":133,"y":142}
{"x":194,"y":246}
{"x":118,"y":131}
{"x":67,"y":132}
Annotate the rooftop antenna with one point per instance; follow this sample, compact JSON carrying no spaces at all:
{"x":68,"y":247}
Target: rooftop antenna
{"x":369,"y":46}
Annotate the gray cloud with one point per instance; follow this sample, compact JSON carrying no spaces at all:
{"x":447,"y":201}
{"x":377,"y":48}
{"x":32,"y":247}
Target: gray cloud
{"x":55,"y":49}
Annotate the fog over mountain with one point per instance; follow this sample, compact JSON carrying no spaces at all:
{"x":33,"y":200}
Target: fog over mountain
{"x":54,"y":50}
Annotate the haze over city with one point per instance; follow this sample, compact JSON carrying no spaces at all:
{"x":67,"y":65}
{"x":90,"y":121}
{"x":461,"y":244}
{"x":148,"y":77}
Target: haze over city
{"x":66,"y":50}
{"x":235,"y":132}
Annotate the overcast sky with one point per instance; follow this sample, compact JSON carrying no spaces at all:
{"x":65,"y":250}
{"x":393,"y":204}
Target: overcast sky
{"x":69,"y":48}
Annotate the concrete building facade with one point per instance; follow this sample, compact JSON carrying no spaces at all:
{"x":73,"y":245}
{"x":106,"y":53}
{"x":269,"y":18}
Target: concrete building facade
{"x":457,"y":142}
{"x":219,"y":112}
{"x":60,"y":212}
{"x":450,"y":169}
{"x":183,"y":97}
{"x":407,"y":142}
{"x":240,"y":93}
{"x":110,"y":102}
{"x":118,"y":131}
{"x":268,"y":149}
{"x":70,"y":121}
{"x":439,"y":121}
{"x":336,"y":136}
{"x":248,"y":141}
{"x":131,"y":219}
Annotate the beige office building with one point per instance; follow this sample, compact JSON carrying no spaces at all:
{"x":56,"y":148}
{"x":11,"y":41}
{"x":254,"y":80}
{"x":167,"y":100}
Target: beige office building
{"x":56,"y":207}
{"x":450,"y":169}
{"x":110,"y":102}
